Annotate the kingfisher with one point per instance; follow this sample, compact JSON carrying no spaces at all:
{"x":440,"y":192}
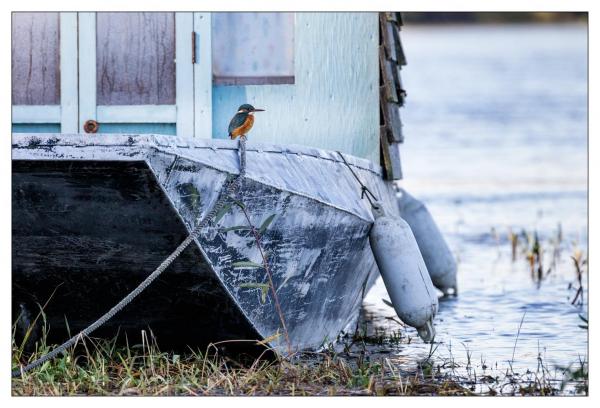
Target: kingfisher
{"x":242,"y":121}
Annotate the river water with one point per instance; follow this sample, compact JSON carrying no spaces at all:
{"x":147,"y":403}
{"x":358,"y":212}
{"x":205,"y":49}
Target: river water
{"x":496,"y":141}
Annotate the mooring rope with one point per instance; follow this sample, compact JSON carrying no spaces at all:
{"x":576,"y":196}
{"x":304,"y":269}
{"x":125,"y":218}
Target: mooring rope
{"x":234,"y":184}
{"x":364,"y":189}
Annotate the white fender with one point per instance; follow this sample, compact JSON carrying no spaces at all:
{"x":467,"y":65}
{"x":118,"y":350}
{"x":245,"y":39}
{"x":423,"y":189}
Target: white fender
{"x":404,"y":272}
{"x":436,"y":253}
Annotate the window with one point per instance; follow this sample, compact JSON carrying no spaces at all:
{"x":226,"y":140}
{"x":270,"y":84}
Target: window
{"x":135,"y":58}
{"x":35,"y":59}
{"x":253,"y":48}
{"x":140,"y":72}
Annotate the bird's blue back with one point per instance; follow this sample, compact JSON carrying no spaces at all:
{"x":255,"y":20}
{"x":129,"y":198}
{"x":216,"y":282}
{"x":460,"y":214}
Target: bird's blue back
{"x":237,"y":121}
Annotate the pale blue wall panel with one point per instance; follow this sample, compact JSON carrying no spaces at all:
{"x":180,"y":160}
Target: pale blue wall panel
{"x":36,"y":128}
{"x":334,"y":103}
{"x":155,"y":128}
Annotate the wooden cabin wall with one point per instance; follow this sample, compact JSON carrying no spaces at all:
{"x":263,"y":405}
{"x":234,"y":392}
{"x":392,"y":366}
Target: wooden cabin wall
{"x":334,"y":102}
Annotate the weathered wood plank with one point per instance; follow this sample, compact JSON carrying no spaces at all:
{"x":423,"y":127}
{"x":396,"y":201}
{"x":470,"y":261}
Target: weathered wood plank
{"x":391,"y":116}
{"x":69,"y":93}
{"x":394,"y":151}
{"x":386,"y":162}
{"x":398,"y":50}
{"x":390,"y":153}
{"x":399,"y":19}
{"x":184,"y":74}
{"x":400,"y":92}
{"x":35,"y":114}
{"x":203,"y":78}
{"x":135,"y":58}
{"x":386,"y":30}
{"x":391,"y":16}
{"x":87,"y":68}
{"x":396,"y":17}
{"x":387,"y":68}
{"x":35,"y":59}
{"x":137,"y":114}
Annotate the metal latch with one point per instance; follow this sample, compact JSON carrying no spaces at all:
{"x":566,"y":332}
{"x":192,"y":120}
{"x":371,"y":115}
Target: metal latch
{"x":193,"y":47}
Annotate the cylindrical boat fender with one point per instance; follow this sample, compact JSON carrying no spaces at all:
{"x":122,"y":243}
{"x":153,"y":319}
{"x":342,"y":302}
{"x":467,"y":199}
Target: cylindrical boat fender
{"x":436,"y":253}
{"x":404,"y":272}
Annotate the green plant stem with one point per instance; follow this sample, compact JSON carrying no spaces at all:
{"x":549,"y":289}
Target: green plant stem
{"x":271,"y":284}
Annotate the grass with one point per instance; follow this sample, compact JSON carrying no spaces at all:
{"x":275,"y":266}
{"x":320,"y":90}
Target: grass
{"x":532,"y":249}
{"x":102,"y":367}
{"x":363,"y":366}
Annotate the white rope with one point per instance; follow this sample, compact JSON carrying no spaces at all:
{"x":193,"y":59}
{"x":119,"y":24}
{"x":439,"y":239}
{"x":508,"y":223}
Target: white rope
{"x":234,"y":184}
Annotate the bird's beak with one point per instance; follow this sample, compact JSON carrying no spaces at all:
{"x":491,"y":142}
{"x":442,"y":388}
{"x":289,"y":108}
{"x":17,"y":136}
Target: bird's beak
{"x":258,"y":110}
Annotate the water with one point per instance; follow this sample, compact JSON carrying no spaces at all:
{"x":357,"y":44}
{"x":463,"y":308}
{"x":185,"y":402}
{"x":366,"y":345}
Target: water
{"x":496,"y":139}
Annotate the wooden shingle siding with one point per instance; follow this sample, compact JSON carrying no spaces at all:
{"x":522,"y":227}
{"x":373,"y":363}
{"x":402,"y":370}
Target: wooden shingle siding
{"x":387,"y":37}
{"x":391,"y":93}
{"x":397,"y":79}
{"x":392,"y":122}
{"x":387,"y":76}
{"x":390,"y":157}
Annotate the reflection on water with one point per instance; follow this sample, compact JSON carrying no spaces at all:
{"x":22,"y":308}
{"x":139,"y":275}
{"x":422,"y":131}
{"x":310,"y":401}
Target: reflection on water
{"x":496,"y":141}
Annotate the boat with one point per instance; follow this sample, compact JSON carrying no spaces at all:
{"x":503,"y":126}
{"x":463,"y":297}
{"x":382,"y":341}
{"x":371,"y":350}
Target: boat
{"x":96,"y":209}
{"x":92,"y":218}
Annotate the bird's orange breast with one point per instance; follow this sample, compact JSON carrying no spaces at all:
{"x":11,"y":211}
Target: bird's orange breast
{"x":245,"y":128}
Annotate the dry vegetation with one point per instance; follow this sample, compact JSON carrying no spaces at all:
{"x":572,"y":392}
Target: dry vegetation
{"x":102,"y":367}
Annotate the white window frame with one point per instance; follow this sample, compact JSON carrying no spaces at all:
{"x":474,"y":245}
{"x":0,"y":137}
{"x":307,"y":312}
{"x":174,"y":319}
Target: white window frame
{"x":191,"y":113}
{"x":181,"y":113}
{"x":66,"y":113}
{"x":203,"y":80}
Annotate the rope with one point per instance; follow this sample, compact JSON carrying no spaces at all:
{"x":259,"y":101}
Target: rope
{"x":364,"y":189}
{"x":234,"y":184}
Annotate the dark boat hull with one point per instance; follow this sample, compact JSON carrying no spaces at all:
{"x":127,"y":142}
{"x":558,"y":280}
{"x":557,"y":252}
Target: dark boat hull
{"x":86,"y":236}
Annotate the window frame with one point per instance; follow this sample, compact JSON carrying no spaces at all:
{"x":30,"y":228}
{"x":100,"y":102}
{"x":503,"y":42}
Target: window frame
{"x":237,"y":80}
{"x":192,"y":113}
{"x":64,"y":114}
{"x":181,"y":113}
